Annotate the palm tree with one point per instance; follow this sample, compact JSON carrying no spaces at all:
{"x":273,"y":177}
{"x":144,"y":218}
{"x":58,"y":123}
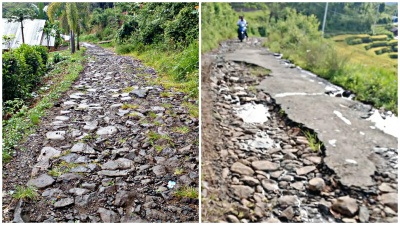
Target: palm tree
{"x":83,"y":17}
{"x":67,"y":14}
{"x":19,"y":15}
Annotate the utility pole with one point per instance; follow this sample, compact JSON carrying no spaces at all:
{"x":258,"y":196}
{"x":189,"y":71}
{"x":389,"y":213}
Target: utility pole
{"x":376,"y":16}
{"x":323,"y":25}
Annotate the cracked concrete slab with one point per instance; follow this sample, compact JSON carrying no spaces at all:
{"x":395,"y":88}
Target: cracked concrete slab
{"x":333,"y":118}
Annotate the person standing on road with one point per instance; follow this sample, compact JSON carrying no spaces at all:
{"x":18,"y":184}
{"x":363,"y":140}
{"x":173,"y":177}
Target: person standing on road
{"x":242,"y":22}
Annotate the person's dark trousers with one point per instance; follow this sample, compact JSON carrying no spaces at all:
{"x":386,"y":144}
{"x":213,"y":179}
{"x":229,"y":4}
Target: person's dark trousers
{"x":245,"y":33}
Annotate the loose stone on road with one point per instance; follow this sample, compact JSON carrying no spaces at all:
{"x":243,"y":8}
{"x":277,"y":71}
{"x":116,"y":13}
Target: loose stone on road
{"x":109,"y":150}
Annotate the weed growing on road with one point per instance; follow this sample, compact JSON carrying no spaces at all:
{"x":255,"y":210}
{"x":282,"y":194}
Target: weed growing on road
{"x":178,"y":171}
{"x":252,"y":89}
{"x":166,"y":94}
{"x":153,"y":136}
{"x":152,"y":115}
{"x":193,"y":109}
{"x":159,"y":148}
{"x":182,"y":130}
{"x":25,"y":193}
{"x":171,"y":113}
{"x":158,"y":123}
{"x":315,"y":144}
{"x":187,"y":192}
{"x":128,"y":89}
{"x":56,"y":172}
{"x":129,"y":106}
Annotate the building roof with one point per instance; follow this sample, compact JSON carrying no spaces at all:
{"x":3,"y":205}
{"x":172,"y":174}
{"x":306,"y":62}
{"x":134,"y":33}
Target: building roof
{"x":33,"y":33}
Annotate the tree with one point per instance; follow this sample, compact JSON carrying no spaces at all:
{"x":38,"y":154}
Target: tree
{"x":19,"y":15}
{"x":40,"y":11}
{"x":67,"y":14}
{"x":83,"y":17}
{"x":8,"y":39}
{"x":48,"y":31}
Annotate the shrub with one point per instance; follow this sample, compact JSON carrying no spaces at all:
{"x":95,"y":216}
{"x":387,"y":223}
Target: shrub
{"x":395,"y":48}
{"x":43,"y":52}
{"x":378,"y":44}
{"x":125,"y":48}
{"x":89,"y":38}
{"x":393,"y":55}
{"x":354,"y":41}
{"x":13,"y":72}
{"x":22,"y":70}
{"x":58,"y":58}
{"x":379,"y":38}
{"x":34,"y":60}
{"x":393,"y":43}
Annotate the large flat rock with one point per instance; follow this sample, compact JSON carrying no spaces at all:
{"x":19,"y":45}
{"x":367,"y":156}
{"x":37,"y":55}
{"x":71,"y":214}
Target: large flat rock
{"x":348,"y":138}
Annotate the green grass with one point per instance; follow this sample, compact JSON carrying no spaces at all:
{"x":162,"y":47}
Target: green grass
{"x":56,"y":172}
{"x":129,"y":106}
{"x":153,"y":136}
{"x":178,"y":66}
{"x":21,"y":125}
{"x":187,"y":192}
{"x":313,"y":141}
{"x":25,"y":193}
{"x":152,"y":115}
{"x":182,"y":130}
{"x":178,"y":171}
{"x":166,"y":105}
{"x":193,"y":109}
{"x":159,"y":148}
{"x":128,"y":89}
{"x":166,"y":94}
{"x":357,"y":54}
{"x":34,"y":117}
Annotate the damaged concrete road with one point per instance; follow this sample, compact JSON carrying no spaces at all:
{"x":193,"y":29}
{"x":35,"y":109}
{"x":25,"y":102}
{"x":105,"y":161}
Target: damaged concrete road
{"x":340,"y":122}
{"x":259,"y":166}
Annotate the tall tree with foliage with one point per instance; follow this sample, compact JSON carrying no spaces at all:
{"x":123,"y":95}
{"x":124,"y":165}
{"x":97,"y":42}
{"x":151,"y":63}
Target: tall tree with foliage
{"x":19,"y":15}
{"x":83,"y":18}
{"x":67,"y":14}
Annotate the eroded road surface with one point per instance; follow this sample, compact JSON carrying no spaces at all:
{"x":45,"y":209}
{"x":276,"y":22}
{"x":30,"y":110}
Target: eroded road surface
{"x":107,"y":151}
{"x":265,"y":170}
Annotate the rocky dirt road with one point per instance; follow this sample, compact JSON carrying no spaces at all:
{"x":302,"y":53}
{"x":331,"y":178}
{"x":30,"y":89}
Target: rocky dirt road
{"x":107,"y":151}
{"x":257,"y":164}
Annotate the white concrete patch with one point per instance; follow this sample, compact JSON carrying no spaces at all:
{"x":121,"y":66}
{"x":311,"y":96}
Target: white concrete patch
{"x":253,"y":113}
{"x":337,"y":113}
{"x":390,"y":125}
{"x":294,"y":94}
{"x":351,"y":161}
{"x":262,"y":140}
{"x":329,"y":88}
{"x":332,"y":142}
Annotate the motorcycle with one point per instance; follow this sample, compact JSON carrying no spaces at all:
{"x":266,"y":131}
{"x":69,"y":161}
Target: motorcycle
{"x":242,"y":32}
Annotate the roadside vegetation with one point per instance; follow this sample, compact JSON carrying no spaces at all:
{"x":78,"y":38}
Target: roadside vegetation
{"x":22,"y":109}
{"x":162,"y":35}
{"x":295,"y":33}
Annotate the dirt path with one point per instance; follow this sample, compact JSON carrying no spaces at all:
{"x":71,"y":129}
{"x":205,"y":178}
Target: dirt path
{"x":266,"y":170}
{"x":107,"y":151}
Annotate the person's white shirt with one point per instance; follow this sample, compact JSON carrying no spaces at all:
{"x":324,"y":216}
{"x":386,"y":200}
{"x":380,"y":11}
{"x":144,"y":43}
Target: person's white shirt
{"x":243,"y":23}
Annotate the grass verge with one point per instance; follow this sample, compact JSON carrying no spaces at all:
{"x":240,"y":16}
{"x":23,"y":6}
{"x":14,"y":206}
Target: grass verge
{"x":22,"y":124}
